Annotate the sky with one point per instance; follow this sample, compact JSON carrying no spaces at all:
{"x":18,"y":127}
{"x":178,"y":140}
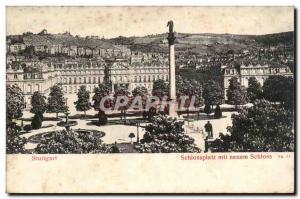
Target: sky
{"x":139,"y":21}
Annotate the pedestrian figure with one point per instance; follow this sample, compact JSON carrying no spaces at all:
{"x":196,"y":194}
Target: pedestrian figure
{"x":209,"y":129}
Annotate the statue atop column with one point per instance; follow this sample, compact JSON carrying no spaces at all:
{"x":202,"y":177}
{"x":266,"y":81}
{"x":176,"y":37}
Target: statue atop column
{"x":171,"y":25}
{"x":171,"y":38}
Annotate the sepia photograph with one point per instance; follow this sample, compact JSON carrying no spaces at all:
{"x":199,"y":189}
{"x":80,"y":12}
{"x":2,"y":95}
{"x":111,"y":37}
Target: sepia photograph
{"x":202,"y":83}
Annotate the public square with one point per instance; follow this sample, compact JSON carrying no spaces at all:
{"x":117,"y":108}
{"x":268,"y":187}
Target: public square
{"x":119,"y":133}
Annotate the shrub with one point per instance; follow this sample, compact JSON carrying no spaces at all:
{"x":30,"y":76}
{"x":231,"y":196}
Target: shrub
{"x":207,"y":109}
{"x":218,"y":112}
{"x":102,"y":118}
{"x":36,"y":122}
{"x":27,"y":127}
{"x":114,"y":149}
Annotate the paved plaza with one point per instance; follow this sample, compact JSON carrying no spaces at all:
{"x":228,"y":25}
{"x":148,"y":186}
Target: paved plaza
{"x":119,"y":132}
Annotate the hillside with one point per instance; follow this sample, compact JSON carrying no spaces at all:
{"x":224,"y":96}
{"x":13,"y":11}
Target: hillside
{"x":206,"y":43}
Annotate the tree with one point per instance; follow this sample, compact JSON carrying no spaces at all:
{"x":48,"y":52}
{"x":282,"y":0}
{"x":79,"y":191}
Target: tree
{"x":122,"y":92}
{"x":131,"y":135}
{"x":56,"y":101}
{"x":14,"y":103}
{"x":262,"y":128}
{"x":28,"y":51}
{"x":102,"y":117}
{"x":160,"y":88}
{"x":236,"y":94}
{"x":222,"y":143}
{"x":103,"y":90}
{"x":280,"y":89}
{"x":71,"y":142}
{"x":14,"y":143}
{"x":254,"y":90}
{"x":218,"y":112}
{"x":166,"y":135}
{"x":38,"y":104}
{"x":213,"y":94}
{"x":142,"y":92}
{"x":189,"y":89}
{"x":83,"y":100}
{"x":36,"y":122}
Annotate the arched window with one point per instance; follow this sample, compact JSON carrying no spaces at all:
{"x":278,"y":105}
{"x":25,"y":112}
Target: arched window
{"x":94,"y":80}
{"x":90,"y":80}
{"x":84,"y":80}
{"x":140,"y":79}
{"x":70,"y":80}
{"x":79,"y":80}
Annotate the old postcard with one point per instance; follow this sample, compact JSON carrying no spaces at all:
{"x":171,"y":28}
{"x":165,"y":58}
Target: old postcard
{"x":150,"y":99}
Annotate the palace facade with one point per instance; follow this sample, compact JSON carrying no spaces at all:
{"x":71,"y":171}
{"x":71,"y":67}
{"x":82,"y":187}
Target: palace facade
{"x":261,"y":70}
{"x":33,"y":75}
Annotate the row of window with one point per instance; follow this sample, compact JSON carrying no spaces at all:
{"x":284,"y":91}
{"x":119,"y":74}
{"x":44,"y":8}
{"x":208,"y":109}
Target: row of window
{"x":74,"y":89}
{"x":258,"y":71}
{"x":150,"y":78}
{"x":84,"y":80}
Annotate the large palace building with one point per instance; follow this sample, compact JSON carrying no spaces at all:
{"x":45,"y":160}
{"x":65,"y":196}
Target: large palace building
{"x":261,"y":70}
{"x":33,"y":75}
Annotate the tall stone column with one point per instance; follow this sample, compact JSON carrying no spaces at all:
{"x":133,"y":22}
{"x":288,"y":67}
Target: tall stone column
{"x":172,"y":92}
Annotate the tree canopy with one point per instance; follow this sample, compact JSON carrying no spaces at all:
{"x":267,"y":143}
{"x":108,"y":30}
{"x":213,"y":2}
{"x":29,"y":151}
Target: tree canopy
{"x":101,"y":91}
{"x":280,"y":89}
{"x":14,"y":143}
{"x":160,"y":88}
{"x":213,"y":93}
{"x":38,"y":103}
{"x":262,"y":128}
{"x":83,"y":100}
{"x":254,"y":90}
{"x":236,"y":94}
{"x":56,"y":100}
{"x":166,"y":135}
{"x":14,"y":102}
{"x":189,"y":88}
